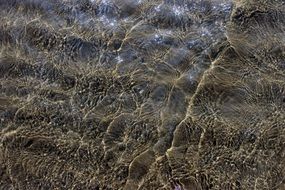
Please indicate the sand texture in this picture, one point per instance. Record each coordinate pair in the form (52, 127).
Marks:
(142, 94)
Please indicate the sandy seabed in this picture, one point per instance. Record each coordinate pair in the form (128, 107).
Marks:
(142, 94)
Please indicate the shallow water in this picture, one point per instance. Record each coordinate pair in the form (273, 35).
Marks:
(140, 94)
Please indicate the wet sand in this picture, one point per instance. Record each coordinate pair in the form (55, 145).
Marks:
(141, 94)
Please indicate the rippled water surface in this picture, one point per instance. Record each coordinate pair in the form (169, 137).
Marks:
(142, 94)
